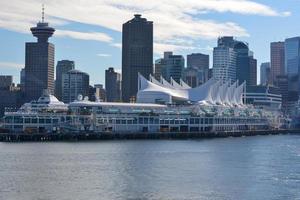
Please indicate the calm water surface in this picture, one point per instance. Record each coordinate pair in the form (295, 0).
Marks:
(261, 167)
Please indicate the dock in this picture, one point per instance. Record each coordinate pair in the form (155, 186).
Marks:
(23, 137)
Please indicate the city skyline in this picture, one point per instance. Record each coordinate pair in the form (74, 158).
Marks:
(93, 41)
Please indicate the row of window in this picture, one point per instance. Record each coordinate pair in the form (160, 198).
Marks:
(151, 120)
(21, 120)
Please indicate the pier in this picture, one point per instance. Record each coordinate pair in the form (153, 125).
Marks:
(23, 137)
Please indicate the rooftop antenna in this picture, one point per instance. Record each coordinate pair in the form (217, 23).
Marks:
(43, 13)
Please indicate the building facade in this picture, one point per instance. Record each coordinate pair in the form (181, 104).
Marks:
(265, 73)
(113, 85)
(172, 66)
(282, 83)
(137, 54)
(22, 79)
(277, 60)
(246, 66)
(39, 62)
(159, 63)
(62, 67)
(198, 60)
(292, 56)
(100, 92)
(194, 76)
(267, 97)
(224, 64)
(75, 83)
(6, 82)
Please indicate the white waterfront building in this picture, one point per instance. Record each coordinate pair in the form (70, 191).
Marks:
(161, 107)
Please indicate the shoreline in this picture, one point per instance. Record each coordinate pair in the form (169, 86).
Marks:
(22, 137)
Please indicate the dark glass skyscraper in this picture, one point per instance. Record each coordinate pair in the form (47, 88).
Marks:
(112, 85)
(62, 67)
(39, 62)
(172, 66)
(246, 66)
(198, 60)
(137, 54)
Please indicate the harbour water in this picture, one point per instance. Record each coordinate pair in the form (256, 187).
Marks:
(249, 168)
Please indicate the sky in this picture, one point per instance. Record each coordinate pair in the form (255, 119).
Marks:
(90, 31)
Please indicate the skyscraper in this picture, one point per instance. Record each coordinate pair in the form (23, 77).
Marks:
(282, 83)
(75, 83)
(234, 61)
(194, 76)
(246, 66)
(6, 82)
(197, 64)
(112, 85)
(277, 60)
(137, 54)
(198, 60)
(292, 56)
(62, 67)
(172, 66)
(39, 62)
(224, 60)
(159, 63)
(265, 73)
(22, 79)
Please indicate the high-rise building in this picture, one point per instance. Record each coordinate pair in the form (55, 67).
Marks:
(75, 83)
(100, 92)
(292, 56)
(194, 76)
(282, 83)
(39, 62)
(22, 79)
(137, 54)
(112, 85)
(265, 73)
(157, 68)
(234, 61)
(224, 60)
(198, 60)
(62, 67)
(246, 65)
(277, 60)
(172, 66)
(9, 94)
(6, 82)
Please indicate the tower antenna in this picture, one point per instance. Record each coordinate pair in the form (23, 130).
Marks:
(43, 13)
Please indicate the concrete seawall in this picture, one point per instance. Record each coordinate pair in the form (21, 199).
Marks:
(8, 137)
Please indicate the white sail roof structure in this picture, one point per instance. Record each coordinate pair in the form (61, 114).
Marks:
(215, 91)
(202, 93)
(210, 93)
(230, 94)
(153, 80)
(166, 83)
(184, 85)
(176, 85)
(238, 95)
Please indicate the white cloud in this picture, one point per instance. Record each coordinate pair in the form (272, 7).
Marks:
(103, 55)
(6, 65)
(117, 45)
(178, 23)
(97, 36)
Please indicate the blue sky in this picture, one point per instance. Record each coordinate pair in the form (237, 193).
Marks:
(89, 32)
